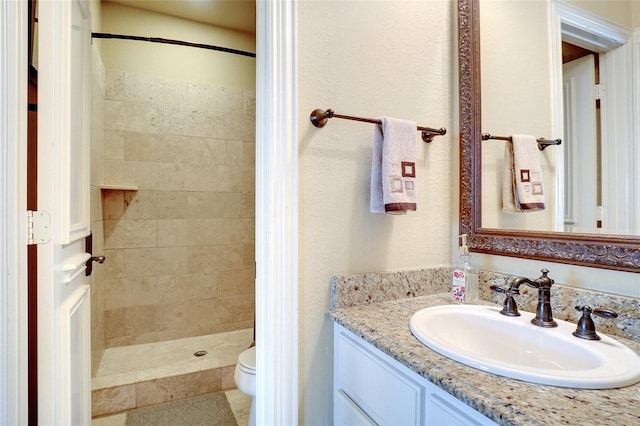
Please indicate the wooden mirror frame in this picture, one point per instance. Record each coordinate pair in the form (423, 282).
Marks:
(608, 251)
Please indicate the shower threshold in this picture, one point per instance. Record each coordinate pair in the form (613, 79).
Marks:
(136, 376)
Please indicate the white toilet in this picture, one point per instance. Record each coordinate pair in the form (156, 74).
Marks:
(245, 377)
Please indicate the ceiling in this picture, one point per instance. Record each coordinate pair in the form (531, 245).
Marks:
(238, 15)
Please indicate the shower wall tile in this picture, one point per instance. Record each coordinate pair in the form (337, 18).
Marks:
(181, 248)
(208, 98)
(140, 146)
(113, 144)
(140, 320)
(203, 232)
(237, 283)
(114, 323)
(249, 103)
(249, 154)
(114, 85)
(200, 177)
(114, 266)
(128, 233)
(236, 231)
(177, 288)
(127, 292)
(155, 90)
(173, 232)
(113, 400)
(142, 174)
(235, 178)
(215, 258)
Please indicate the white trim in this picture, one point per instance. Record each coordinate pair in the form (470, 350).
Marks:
(13, 252)
(276, 214)
(557, 113)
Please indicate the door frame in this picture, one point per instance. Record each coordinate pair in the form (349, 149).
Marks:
(13, 190)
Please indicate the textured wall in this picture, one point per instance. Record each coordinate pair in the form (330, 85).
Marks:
(371, 59)
(180, 249)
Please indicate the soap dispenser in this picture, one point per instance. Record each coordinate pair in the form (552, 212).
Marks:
(464, 276)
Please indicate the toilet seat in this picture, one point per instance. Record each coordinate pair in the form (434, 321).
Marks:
(247, 361)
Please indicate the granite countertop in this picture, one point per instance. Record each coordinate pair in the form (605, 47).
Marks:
(506, 401)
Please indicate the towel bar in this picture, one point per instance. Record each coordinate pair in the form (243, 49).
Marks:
(319, 118)
(542, 143)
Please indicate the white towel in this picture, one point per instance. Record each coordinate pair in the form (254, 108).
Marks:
(522, 189)
(393, 168)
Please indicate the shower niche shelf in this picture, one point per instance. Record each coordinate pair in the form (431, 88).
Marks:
(118, 188)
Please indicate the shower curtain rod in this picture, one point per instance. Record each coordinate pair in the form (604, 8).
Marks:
(542, 143)
(175, 42)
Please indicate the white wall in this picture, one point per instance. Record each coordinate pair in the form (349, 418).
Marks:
(370, 59)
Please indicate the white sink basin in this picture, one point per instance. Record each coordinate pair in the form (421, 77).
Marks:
(480, 337)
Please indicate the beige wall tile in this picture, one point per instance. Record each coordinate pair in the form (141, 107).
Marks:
(203, 232)
(114, 144)
(173, 232)
(113, 400)
(142, 174)
(236, 283)
(249, 154)
(226, 377)
(114, 84)
(172, 204)
(235, 308)
(235, 231)
(126, 292)
(155, 147)
(114, 264)
(205, 97)
(114, 115)
(176, 288)
(140, 117)
(155, 261)
(155, 90)
(140, 204)
(249, 103)
(215, 258)
(140, 320)
(188, 314)
(235, 179)
(177, 387)
(172, 176)
(130, 233)
(200, 177)
(114, 323)
(137, 339)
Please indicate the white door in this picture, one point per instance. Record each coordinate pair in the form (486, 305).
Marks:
(64, 370)
(581, 177)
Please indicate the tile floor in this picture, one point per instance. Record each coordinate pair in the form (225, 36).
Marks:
(139, 366)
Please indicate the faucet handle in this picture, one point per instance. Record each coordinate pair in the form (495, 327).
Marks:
(510, 307)
(586, 328)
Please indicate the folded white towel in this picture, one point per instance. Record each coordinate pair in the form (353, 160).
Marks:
(522, 189)
(393, 168)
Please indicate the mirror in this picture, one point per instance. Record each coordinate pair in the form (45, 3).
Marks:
(545, 86)
(612, 251)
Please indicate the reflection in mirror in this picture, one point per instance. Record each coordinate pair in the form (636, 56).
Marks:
(549, 238)
(540, 65)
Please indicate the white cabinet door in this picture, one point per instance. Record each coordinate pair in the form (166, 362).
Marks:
(64, 371)
(372, 388)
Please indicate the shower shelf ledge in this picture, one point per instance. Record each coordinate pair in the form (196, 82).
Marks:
(118, 188)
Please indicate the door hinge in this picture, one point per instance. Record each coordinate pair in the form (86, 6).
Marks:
(38, 227)
(597, 91)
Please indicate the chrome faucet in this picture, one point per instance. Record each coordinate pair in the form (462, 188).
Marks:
(544, 316)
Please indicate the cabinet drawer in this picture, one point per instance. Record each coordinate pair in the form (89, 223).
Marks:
(384, 392)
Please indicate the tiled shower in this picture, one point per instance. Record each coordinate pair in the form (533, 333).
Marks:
(181, 246)
(172, 211)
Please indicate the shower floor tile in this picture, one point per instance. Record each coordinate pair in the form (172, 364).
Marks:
(134, 376)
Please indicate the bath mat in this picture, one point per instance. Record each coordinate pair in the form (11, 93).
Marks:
(208, 409)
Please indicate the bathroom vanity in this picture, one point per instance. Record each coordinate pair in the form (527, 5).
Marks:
(384, 375)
